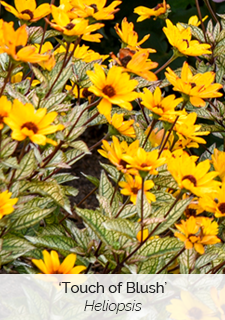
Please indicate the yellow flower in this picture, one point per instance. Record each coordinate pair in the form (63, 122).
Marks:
(218, 160)
(163, 108)
(132, 185)
(51, 264)
(123, 127)
(192, 177)
(73, 28)
(144, 161)
(155, 137)
(129, 37)
(5, 108)
(214, 202)
(186, 129)
(27, 10)
(18, 77)
(115, 88)
(94, 8)
(196, 88)
(181, 41)
(197, 232)
(193, 20)
(146, 13)
(115, 151)
(14, 44)
(189, 308)
(139, 64)
(25, 122)
(218, 297)
(6, 204)
(47, 48)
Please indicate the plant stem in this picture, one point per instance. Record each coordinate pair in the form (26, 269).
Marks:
(211, 11)
(116, 188)
(200, 17)
(166, 64)
(125, 203)
(154, 121)
(173, 259)
(143, 111)
(142, 208)
(10, 69)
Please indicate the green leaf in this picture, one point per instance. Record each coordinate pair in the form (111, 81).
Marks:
(93, 180)
(65, 74)
(197, 33)
(128, 211)
(8, 146)
(150, 266)
(123, 226)
(166, 182)
(113, 172)
(187, 260)
(13, 247)
(80, 235)
(141, 136)
(95, 221)
(53, 101)
(146, 205)
(26, 166)
(64, 177)
(39, 75)
(107, 190)
(55, 242)
(173, 216)
(29, 219)
(159, 247)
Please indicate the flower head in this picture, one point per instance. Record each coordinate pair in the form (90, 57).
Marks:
(47, 48)
(196, 232)
(132, 185)
(27, 10)
(163, 108)
(214, 202)
(94, 9)
(6, 204)
(195, 88)
(146, 13)
(14, 43)
(191, 176)
(180, 39)
(218, 160)
(5, 108)
(123, 127)
(115, 151)
(115, 88)
(51, 264)
(25, 122)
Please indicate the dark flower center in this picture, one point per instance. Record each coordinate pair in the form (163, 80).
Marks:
(190, 178)
(160, 5)
(94, 7)
(70, 26)
(30, 126)
(29, 13)
(143, 165)
(86, 93)
(18, 48)
(1, 118)
(222, 207)
(124, 61)
(135, 190)
(195, 313)
(193, 84)
(109, 91)
(123, 163)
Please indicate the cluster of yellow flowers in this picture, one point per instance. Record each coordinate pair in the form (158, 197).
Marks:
(171, 127)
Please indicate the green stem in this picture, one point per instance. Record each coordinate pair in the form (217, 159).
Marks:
(167, 63)
(200, 18)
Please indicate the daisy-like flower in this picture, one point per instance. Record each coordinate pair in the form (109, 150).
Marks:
(25, 122)
(191, 176)
(5, 108)
(132, 185)
(214, 202)
(115, 150)
(120, 126)
(47, 48)
(137, 63)
(115, 88)
(27, 10)
(181, 41)
(51, 264)
(144, 161)
(162, 108)
(188, 307)
(195, 88)
(187, 130)
(14, 43)
(218, 161)
(94, 9)
(6, 204)
(73, 28)
(196, 233)
(145, 13)
(129, 37)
